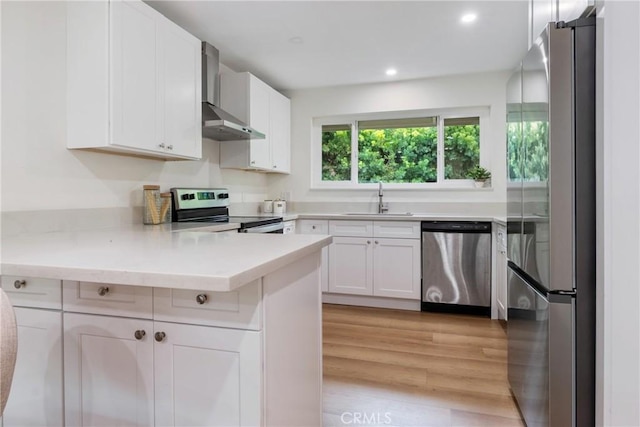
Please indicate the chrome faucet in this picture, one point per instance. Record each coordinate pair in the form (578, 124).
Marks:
(382, 207)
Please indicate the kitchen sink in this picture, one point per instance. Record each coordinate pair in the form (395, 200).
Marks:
(380, 214)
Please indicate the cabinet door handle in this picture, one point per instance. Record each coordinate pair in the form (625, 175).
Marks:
(275, 167)
(139, 334)
(161, 145)
(19, 284)
(253, 162)
(103, 290)
(368, 242)
(160, 336)
(376, 242)
(201, 298)
(169, 147)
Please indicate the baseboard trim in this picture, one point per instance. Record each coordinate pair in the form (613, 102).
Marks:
(367, 301)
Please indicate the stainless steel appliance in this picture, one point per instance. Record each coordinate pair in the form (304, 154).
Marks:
(456, 266)
(217, 124)
(212, 205)
(551, 231)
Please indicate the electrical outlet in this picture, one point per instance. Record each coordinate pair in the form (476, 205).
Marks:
(286, 195)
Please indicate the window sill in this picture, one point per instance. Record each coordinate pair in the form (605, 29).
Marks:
(400, 187)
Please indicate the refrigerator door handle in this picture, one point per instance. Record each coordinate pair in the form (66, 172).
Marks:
(561, 360)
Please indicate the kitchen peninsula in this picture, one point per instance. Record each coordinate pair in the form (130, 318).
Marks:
(145, 326)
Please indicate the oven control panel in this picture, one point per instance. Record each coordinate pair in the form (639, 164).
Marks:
(197, 198)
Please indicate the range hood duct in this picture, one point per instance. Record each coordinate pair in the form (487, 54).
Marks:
(217, 124)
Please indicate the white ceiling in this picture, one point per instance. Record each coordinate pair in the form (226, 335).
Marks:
(352, 42)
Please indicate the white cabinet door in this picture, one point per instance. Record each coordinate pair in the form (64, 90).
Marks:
(542, 12)
(133, 81)
(396, 268)
(350, 268)
(280, 131)
(207, 376)
(134, 54)
(569, 10)
(108, 372)
(179, 91)
(260, 151)
(264, 109)
(36, 391)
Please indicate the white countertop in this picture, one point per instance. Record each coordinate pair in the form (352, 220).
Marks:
(395, 217)
(154, 256)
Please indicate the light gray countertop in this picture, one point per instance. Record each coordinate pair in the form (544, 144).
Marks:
(153, 256)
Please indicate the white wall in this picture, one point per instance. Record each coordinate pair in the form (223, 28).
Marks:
(38, 172)
(618, 370)
(448, 92)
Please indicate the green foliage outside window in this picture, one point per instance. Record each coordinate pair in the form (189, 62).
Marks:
(397, 155)
(461, 149)
(336, 153)
(398, 151)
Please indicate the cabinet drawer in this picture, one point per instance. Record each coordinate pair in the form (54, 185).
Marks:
(33, 292)
(310, 226)
(397, 229)
(107, 299)
(351, 228)
(241, 308)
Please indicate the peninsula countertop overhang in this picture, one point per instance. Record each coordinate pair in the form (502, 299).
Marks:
(148, 256)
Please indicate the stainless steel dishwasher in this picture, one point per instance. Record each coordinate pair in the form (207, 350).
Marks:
(456, 267)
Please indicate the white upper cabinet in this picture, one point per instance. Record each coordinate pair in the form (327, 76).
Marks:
(569, 10)
(544, 11)
(280, 132)
(133, 81)
(264, 109)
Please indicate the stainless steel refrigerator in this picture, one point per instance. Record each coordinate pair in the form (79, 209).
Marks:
(551, 231)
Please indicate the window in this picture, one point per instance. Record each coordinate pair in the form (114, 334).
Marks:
(336, 153)
(418, 149)
(461, 146)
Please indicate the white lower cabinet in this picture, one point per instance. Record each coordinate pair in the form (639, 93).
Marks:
(351, 268)
(247, 357)
(35, 398)
(374, 265)
(207, 376)
(108, 371)
(396, 268)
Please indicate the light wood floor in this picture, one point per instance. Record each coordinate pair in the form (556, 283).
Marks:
(403, 368)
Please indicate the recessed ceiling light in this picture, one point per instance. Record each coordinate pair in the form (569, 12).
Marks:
(296, 40)
(391, 72)
(469, 17)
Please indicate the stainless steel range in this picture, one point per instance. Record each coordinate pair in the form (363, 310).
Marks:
(211, 205)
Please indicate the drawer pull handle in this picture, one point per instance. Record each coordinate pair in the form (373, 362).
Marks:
(160, 336)
(139, 334)
(103, 290)
(19, 284)
(368, 242)
(201, 298)
(376, 242)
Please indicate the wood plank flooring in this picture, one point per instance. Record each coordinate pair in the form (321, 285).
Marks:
(403, 368)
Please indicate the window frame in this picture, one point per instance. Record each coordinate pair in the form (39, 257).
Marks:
(483, 113)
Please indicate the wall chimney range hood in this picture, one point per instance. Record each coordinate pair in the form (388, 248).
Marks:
(217, 124)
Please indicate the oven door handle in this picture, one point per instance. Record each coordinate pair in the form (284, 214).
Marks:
(269, 228)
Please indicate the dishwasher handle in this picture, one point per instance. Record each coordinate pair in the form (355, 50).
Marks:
(456, 226)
